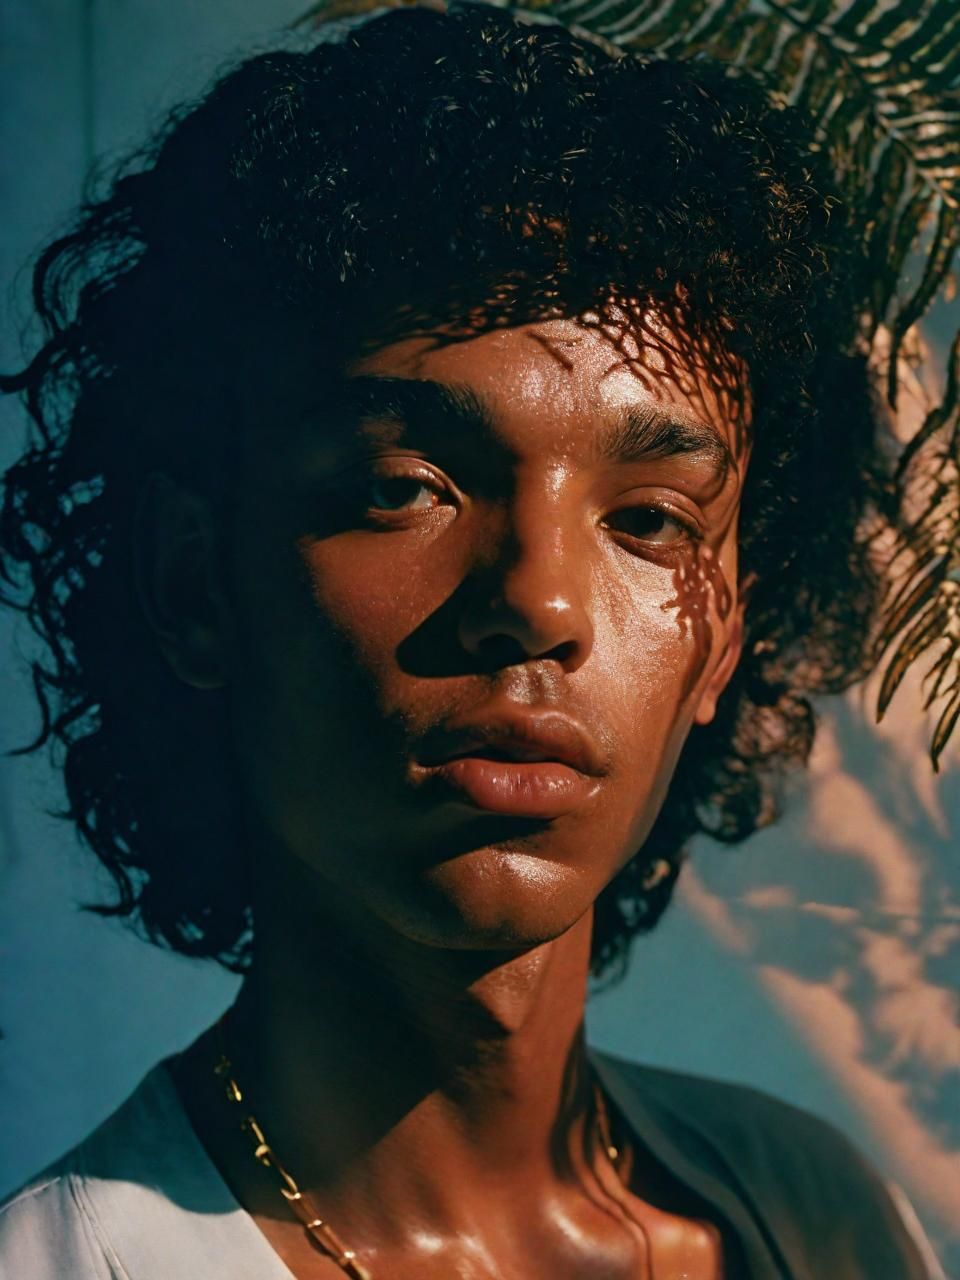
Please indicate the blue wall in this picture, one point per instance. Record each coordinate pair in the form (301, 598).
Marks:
(776, 967)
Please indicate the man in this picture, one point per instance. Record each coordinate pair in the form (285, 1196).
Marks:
(456, 466)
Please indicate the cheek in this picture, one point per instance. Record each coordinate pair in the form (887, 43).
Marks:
(702, 604)
(661, 634)
(644, 663)
(322, 697)
(367, 596)
(660, 628)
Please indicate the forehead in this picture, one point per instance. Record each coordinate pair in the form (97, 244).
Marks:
(553, 379)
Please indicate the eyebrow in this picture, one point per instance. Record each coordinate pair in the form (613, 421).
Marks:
(430, 404)
(637, 433)
(644, 432)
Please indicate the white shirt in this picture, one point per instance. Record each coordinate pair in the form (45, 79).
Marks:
(140, 1199)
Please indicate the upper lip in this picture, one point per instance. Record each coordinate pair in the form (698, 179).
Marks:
(521, 735)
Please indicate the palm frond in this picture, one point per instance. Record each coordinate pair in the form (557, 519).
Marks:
(880, 79)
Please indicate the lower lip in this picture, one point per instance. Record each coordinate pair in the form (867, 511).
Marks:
(527, 789)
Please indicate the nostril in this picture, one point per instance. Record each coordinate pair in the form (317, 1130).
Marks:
(497, 651)
(500, 651)
(523, 619)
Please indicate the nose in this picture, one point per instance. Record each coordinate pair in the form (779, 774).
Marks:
(527, 599)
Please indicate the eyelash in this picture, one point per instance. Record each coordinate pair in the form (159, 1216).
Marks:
(423, 480)
(687, 528)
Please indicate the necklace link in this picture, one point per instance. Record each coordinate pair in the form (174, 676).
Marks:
(320, 1231)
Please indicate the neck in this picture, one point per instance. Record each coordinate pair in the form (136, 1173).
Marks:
(359, 1050)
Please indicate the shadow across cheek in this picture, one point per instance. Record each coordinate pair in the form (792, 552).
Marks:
(701, 591)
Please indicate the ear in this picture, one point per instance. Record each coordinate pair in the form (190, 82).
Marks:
(179, 580)
(730, 656)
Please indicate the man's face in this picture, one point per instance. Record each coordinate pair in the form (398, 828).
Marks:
(480, 596)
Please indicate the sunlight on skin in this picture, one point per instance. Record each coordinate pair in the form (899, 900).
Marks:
(454, 532)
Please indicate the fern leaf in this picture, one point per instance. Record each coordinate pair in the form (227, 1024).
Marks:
(935, 680)
(927, 628)
(945, 727)
(912, 599)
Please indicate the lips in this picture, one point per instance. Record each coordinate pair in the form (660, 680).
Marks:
(525, 763)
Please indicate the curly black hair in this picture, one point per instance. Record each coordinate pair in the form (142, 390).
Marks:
(431, 164)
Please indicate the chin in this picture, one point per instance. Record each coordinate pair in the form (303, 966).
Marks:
(489, 900)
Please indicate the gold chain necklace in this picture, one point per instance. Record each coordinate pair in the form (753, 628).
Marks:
(318, 1230)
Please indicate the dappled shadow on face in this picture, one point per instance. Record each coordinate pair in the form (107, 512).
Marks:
(701, 589)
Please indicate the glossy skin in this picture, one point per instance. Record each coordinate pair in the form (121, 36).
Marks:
(387, 577)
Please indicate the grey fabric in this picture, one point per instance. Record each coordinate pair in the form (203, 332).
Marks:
(141, 1200)
(799, 1197)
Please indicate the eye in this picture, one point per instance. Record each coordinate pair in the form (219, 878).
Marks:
(400, 493)
(651, 525)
